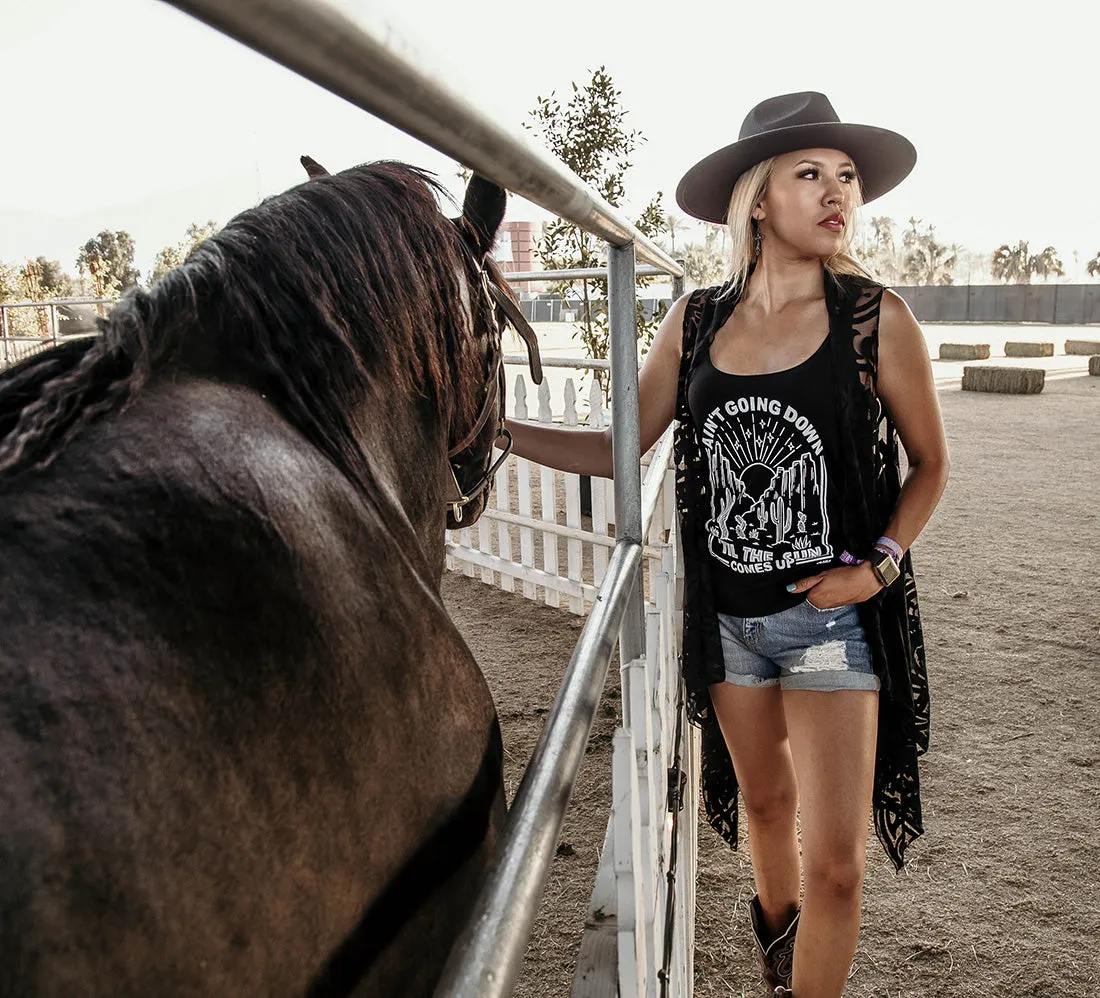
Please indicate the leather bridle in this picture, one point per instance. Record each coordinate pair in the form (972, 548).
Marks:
(490, 295)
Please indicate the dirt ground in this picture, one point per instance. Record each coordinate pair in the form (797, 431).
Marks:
(1000, 897)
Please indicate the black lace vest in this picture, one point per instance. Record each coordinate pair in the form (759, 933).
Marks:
(870, 484)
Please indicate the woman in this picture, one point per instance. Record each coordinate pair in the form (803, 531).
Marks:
(791, 385)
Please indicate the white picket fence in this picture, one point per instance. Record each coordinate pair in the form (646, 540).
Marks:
(534, 542)
(652, 834)
(533, 539)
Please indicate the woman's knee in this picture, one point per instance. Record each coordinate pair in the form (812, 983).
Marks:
(773, 802)
(837, 872)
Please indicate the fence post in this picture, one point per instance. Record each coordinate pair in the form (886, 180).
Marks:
(622, 316)
(678, 284)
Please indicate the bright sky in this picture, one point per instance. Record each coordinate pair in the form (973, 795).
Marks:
(128, 114)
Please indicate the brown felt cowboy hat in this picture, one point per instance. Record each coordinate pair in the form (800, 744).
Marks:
(783, 124)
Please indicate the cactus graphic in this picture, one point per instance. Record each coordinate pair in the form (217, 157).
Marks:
(762, 514)
(781, 518)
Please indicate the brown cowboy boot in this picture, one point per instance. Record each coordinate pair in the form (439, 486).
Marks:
(776, 958)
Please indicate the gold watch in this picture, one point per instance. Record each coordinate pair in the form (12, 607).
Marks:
(885, 568)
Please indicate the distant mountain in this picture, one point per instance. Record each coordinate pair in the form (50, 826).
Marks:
(154, 222)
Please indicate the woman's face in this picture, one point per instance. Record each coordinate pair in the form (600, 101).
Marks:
(808, 204)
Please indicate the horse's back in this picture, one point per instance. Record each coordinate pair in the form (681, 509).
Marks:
(220, 669)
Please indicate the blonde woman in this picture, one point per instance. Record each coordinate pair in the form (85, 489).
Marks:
(792, 386)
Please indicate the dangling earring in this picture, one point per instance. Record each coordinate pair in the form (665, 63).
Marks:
(757, 239)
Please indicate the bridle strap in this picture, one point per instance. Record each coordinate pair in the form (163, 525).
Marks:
(494, 391)
(479, 425)
(521, 326)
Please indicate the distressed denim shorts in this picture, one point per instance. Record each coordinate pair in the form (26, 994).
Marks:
(802, 648)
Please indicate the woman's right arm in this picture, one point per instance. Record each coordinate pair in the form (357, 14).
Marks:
(588, 452)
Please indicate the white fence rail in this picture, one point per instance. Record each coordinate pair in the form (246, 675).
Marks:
(540, 538)
(640, 928)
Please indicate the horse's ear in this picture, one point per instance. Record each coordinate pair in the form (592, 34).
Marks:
(313, 168)
(483, 211)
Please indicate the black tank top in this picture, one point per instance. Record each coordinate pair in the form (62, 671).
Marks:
(772, 448)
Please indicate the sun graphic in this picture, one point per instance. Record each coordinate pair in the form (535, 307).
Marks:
(767, 442)
(757, 477)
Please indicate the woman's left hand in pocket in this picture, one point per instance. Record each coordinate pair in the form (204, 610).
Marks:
(838, 586)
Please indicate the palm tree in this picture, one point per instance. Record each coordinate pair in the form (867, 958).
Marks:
(930, 263)
(1093, 266)
(1019, 265)
(674, 222)
(1046, 264)
(715, 232)
(1009, 263)
(926, 259)
(878, 251)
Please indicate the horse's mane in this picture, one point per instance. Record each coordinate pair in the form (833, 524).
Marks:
(309, 297)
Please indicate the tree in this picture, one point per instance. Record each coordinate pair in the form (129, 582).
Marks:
(878, 251)
(109, 259)
(673, 223)
(1093, 266)
(1047, 264)
(1009, 264)
(9, 282)
(26, 282)
(1017, 264)
(54, 280)
(704, 267)
(589, 135)
(926, 260)
(706, 264)
(97, 280)
(715, 234)
(172, 256)
(36, 290)
(919, 259)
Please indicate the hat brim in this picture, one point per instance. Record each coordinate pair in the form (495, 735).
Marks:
(882, 158)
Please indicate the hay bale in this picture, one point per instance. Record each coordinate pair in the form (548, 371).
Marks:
(1029, 349)
(1082, 348)
(1005, 380)
(1094, 365)
(964, 351)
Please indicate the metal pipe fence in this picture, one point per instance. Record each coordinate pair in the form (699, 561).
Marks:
(28, 327)
(487, 957)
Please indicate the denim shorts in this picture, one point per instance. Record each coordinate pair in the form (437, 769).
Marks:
(802, 648)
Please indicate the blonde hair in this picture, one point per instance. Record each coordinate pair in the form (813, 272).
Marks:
(748, 192)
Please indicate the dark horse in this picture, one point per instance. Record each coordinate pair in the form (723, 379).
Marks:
(243, 748)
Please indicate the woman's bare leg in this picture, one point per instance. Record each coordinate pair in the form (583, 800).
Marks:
(752, 722)
(832, 742)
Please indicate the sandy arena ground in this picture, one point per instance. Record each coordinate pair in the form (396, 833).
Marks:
(1000, 897)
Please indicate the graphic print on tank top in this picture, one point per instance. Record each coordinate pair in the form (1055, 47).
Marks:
(769, 487)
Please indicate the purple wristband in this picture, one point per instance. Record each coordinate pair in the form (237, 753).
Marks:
(893, 547)
(850, 559)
